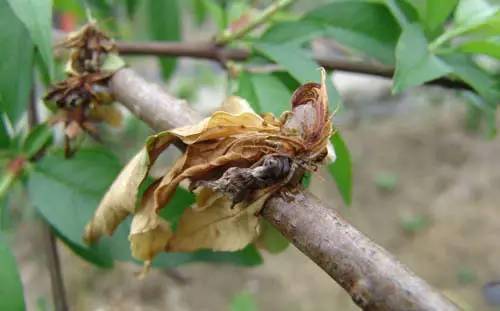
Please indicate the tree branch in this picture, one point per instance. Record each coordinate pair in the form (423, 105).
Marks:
(207, 50)
(373, 278)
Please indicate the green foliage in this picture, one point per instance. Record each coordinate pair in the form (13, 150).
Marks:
(164, 24)
(4, 135)
(386, 180)
(414, 224)
(299, 65)
(67, 191)
(264, 92)
(341, 169)
(37, 138)
(181, 200)
(466, 275)
(16, 61)
(243, 302)
(131, 6)
(480, 112)
(216, 12)
(364, 26)
(11, 290)
(272, 240)
(489, 46)
(433, 14)
(467, 70)
(415, 65)
(36, 16)
(249, 257)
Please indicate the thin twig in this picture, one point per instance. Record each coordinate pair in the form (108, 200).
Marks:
(53, 262)
(228, 36)
(374, 279)
(211, 51)
(206, 50)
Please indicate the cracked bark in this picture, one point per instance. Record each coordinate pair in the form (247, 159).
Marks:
(373, 278)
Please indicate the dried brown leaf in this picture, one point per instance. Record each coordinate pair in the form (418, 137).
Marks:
(219, 226)
(149, 233)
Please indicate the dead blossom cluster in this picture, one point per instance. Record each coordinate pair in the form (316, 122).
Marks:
(233, 161)
(83, 98)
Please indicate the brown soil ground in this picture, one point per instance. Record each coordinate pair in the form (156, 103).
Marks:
(447, 187)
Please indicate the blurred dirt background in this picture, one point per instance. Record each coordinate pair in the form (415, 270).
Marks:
(424, 188)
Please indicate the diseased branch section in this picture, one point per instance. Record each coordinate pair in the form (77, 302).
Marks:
(373, 278)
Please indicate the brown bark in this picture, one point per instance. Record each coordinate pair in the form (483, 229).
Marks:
(150, 103)
(374, 279)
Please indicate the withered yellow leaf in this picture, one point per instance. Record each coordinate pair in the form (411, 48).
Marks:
(235, 138)
(219, 227)
(149, 233)
(120, 199)
(223, 124)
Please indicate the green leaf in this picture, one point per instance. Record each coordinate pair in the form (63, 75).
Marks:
(486, 112)
(16, 61)
(434, 13)
(90, 254)
(341, 169)
(465, 69)
(181, 200)
(265, 93)
(131, 6)
(4, 134)
(248, 257)
(306, 180)
(272, 240)
(165, 24)
(72, 6)
(66, 192)
(37, 138)
(437, 12)
(402, 11)
(11, 289)
(364, 26)
(471, 13)
(199, 11)
(472, 16)
(37, 17)
(487, 46)
(247, 90)
(386, 180)
(293, 32)
(217, 13)
(243, 302)
(414, 63)
(299, 65)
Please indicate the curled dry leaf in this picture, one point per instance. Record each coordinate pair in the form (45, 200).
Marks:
(83, 99)
(234, 160)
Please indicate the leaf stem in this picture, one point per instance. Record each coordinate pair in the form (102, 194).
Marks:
(5, 182)
(228, 36)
